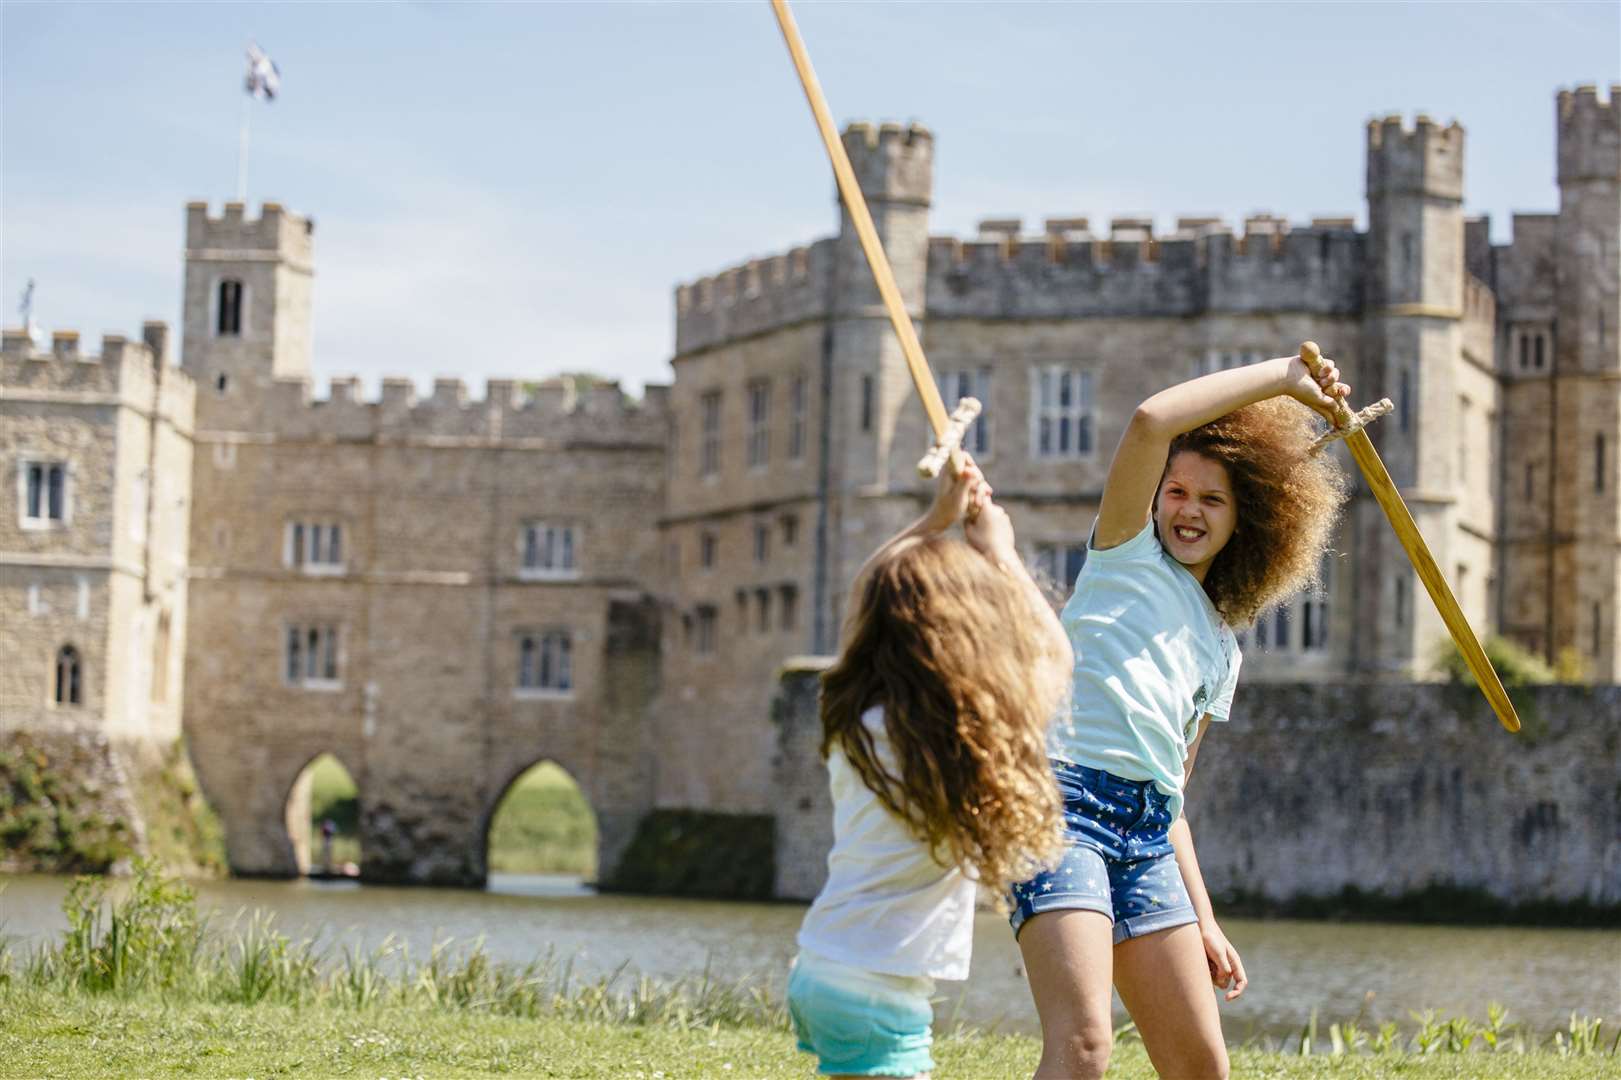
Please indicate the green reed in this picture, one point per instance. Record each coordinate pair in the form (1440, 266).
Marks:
(151, 940)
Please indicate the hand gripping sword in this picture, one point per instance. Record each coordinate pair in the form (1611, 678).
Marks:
(1412, 541)
(948, 430)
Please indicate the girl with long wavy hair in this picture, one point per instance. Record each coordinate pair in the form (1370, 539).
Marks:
(1214, 510)
(934, 726)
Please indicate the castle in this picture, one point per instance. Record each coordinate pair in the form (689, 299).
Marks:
(444, 591)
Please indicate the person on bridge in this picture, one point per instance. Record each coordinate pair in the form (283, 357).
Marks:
(1214, 510)
(934, 721)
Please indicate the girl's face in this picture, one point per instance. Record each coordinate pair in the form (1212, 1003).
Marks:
(1195, 511)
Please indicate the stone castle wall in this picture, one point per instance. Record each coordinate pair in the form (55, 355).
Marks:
(1316, 788)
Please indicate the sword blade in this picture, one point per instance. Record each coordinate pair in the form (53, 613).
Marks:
(856, 204)
(1418, 553)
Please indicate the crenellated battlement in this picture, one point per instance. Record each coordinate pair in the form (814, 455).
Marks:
(1426, 159)
(556, 410)
(275, 231)
(1202, 265)
(760, 295)
(1589, 134)
(123, 369)
(892, 162)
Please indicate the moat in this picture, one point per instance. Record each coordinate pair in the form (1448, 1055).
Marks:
(1541, 975)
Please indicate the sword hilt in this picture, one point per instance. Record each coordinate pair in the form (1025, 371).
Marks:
(1312, 357)
(950, 440)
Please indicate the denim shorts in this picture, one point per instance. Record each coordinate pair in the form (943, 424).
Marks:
(860, 1023)
(1117, 860)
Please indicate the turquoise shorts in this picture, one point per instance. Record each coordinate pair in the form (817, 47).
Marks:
(860, 1023)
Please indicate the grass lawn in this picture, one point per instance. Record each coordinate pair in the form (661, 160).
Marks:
(542, 826)
(78, 1035)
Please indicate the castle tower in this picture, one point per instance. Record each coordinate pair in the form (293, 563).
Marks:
(246, 309)
(875, 423)
(1585, 515)
(1411, 337)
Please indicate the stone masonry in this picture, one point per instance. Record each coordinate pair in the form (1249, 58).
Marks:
(399, 581)
(93, 589)
(1420, 307)
(1316, 788)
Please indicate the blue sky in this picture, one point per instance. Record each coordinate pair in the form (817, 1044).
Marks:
(515, 189)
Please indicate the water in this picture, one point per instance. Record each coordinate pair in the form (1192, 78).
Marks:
(1541, 975)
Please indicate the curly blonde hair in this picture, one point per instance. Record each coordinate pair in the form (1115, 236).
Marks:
(1288, 500)
(947, 644)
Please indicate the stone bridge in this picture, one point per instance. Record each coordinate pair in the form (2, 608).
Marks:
(432, 766)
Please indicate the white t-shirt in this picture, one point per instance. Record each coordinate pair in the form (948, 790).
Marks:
(888, 906)
(1152, 657)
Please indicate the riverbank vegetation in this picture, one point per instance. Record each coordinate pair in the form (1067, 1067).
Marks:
(68, 800)
(140, 985)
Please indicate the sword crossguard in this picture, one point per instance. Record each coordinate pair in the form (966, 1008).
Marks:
(949, 440)
(1359, 420)
(1346, 422)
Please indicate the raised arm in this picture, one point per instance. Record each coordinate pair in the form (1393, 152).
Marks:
(1139, 460)
(952, 495)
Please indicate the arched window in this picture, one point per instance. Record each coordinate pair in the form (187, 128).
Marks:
(228, 320)
(68, 679)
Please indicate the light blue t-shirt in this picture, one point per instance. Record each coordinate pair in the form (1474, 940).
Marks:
(1152, 656)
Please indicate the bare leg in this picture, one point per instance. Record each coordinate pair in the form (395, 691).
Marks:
(1165, 983)
(1067, 955)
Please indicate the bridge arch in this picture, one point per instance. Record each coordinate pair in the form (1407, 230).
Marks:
(322, 786)
(541, 820)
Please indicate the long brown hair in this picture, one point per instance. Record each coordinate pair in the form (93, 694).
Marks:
(948, 644)
(1288, 500)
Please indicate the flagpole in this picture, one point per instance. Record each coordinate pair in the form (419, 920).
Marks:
(242, 151)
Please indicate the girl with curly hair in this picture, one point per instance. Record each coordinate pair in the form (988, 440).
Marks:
(1213, 511)
(934, 726)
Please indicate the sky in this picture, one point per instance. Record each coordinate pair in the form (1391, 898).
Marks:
(515, 190)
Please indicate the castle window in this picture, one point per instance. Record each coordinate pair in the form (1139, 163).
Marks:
(762, 603)
(1598, 462)
(546, 662)
(1404, 399)
(1060, 562)
(546, 550)
(759, 444)
(790, 530)
(1525, 351)
(1401, 601)
(314, 547)
(706, 628)
(221, 381)
(796, 418)
(1598, 628)
(789, 603)
(43, 494)
(866, 402)
(69, 688)
(762, 543)
(742, 598)
(1314, 612)
(311, 656)
(228, 314)
(956, 385)
(1541, 344)
(708, 543)
(1061, 413)
(709, 445)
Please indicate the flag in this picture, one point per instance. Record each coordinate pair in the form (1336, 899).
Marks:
(264, 77)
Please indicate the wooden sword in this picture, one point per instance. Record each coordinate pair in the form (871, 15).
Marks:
(948, 430)
(1412, 541)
